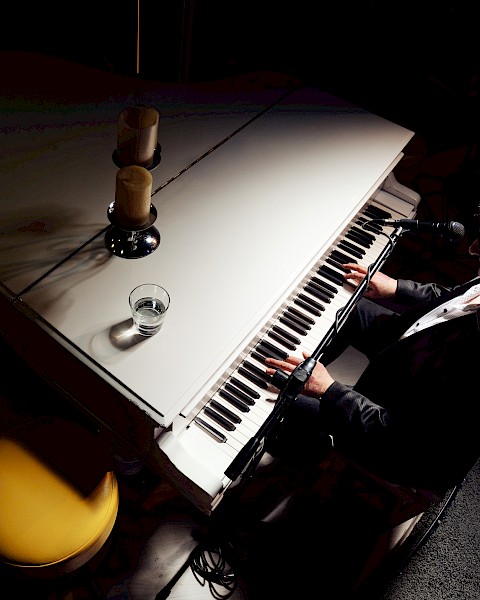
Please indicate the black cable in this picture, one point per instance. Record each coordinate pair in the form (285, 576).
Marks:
(208, 565)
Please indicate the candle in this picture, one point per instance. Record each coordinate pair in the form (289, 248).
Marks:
(137, 135)
(133, 192)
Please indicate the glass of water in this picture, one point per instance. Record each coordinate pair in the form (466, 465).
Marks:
(149, 303)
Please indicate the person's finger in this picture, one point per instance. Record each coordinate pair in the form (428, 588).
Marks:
(356, 267)
(288, 364)
(353, 278)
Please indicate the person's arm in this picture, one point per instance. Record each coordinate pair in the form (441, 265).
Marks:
(411, 292)
(343, 410)
(383, 287)
(350, 414)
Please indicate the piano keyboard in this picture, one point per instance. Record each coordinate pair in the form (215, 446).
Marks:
(244, 397)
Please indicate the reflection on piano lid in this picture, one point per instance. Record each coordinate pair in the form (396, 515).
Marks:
(199, 452)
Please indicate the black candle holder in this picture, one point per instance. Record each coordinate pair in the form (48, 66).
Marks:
(132, 242)
(157, 157)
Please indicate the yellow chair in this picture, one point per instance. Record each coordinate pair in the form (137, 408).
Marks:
(58, 499)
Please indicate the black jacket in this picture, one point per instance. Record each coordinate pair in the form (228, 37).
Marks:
(412, 417)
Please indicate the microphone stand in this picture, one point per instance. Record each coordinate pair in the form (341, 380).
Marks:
(291, 385)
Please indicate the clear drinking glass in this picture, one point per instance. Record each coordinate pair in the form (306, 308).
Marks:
(149, 303)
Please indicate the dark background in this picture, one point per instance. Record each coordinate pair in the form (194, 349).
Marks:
(416, 63)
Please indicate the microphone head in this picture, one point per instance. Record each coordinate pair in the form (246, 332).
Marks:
(456, 230)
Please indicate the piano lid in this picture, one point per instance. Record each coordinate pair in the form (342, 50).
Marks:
(238, 230)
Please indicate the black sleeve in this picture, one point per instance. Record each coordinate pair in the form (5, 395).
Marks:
(411, 292)
(345, 411)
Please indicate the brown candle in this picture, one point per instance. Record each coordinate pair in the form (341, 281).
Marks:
(137, 135)
(133, 192)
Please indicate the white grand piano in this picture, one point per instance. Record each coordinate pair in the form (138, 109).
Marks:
(262, 190)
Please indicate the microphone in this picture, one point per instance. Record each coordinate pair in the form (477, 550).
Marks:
(452, 229)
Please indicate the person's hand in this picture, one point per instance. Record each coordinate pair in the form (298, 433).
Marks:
(317, 383)
(380, 285)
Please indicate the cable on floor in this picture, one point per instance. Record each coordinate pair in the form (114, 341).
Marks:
(208, 565)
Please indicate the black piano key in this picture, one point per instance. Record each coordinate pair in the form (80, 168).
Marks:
(264, 347)
(352, 247)
(331, 289)
(225, 411)
(292, 311)
(337, 265)
(244, 387)
(374, 227)
(235, 401)
(289, 315)
(245, 399)
(261, 383)
(351, 258)
(281, 340)
(258, 357)
(366, 225)
(217, 417)
(308, 307)
(358, 239)
(293, 338)
(255, 370)
(354, 251)
(316, 291)
(211, 430)
(340, 257)
(311, 302)
(292, 325)
(363, 233)
(375, 212)
(265, 352)
(330, 274)
(248, 399)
